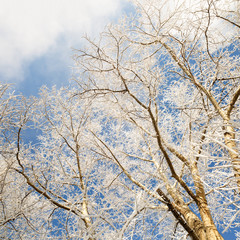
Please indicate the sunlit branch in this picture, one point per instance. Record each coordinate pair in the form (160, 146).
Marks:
(233, 101)
(169, 162)
(177, 215)
(228, 20)
(127, 173)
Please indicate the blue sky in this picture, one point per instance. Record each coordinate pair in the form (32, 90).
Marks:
(37, 38)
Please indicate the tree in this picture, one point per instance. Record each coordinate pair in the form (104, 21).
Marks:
(146, 144)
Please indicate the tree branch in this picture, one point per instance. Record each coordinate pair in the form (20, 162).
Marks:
(233, 101)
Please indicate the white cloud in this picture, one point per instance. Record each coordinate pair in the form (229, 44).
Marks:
(29, 28)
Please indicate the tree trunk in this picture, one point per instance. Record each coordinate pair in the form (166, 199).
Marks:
(229, 138)
(209, 226)
(87, 219)
(205, 229)
(207, 221)
(192, 220)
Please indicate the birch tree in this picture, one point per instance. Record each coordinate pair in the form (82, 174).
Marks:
(173, 75)
(144, 144)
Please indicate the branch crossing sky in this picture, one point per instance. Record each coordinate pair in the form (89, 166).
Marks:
(37, 37)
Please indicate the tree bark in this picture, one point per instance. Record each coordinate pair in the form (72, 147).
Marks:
(208, 223)
(229, 138)
(86, 219)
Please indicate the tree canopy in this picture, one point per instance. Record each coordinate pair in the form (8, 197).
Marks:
(142, 144)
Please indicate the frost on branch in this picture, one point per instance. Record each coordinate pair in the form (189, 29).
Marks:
(144, 144)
